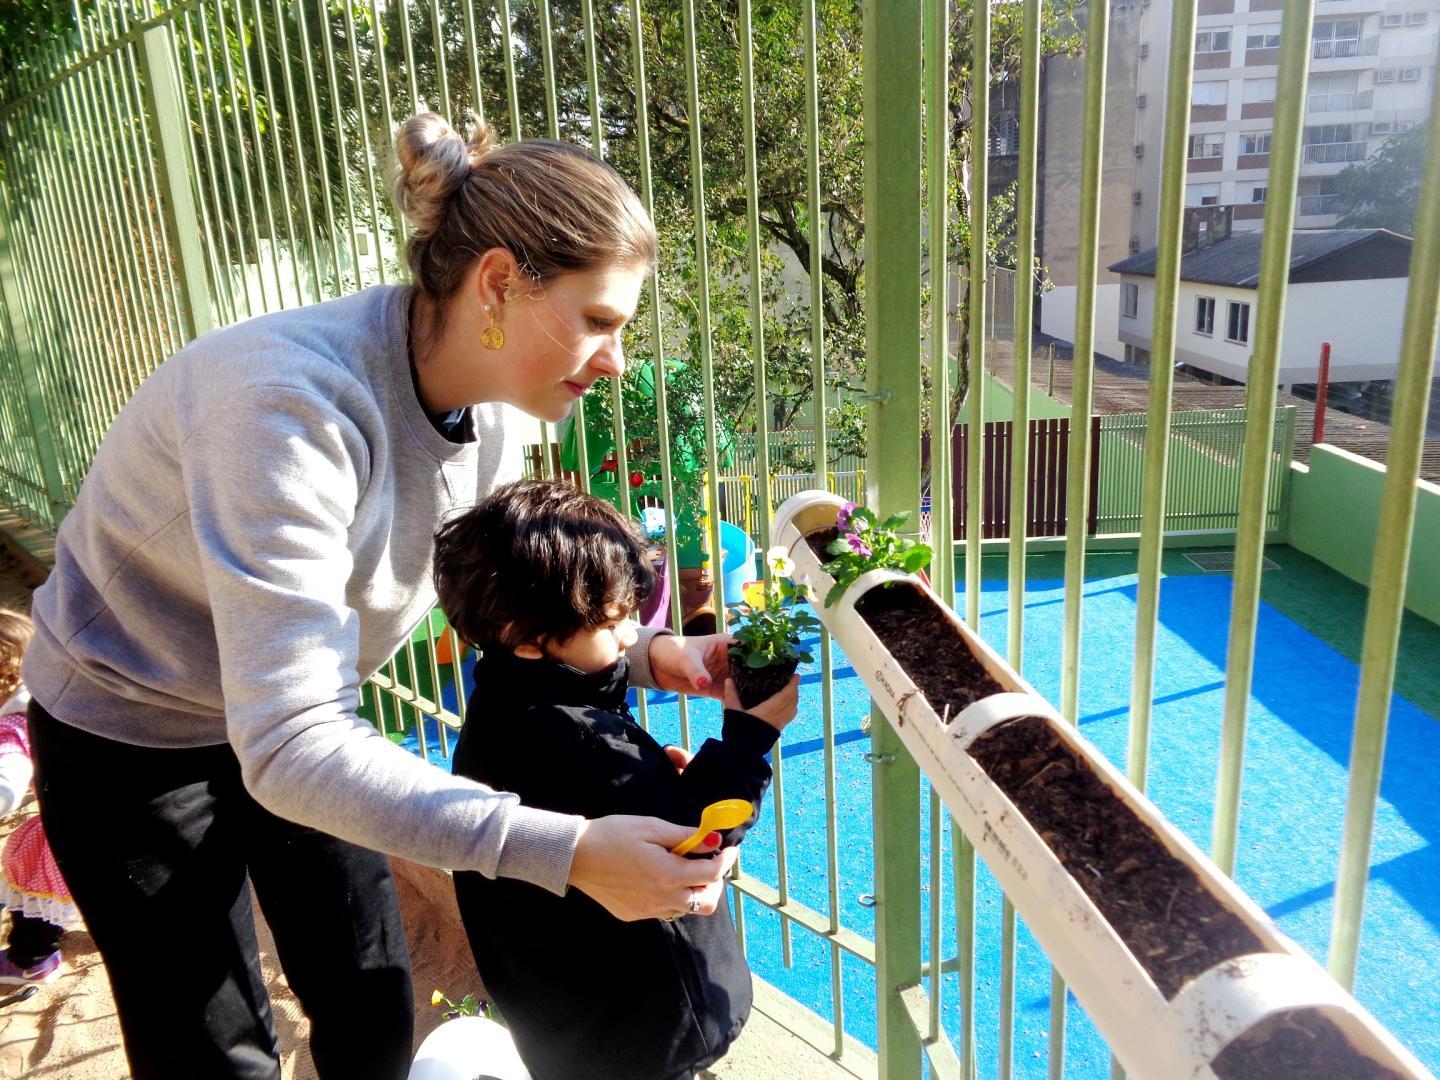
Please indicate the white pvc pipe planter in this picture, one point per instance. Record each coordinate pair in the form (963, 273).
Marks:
(1154, 1038)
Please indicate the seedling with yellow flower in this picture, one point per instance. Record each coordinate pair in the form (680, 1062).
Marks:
(767, 632)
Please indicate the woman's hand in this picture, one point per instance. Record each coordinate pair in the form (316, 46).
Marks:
(693, 665)
(624, 864)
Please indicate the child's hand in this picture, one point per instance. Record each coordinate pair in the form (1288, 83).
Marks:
(777, 710)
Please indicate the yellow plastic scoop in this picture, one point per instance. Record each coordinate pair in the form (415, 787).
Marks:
(717, 817)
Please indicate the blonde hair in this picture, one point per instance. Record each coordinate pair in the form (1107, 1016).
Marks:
(16, 630)
(555, 207)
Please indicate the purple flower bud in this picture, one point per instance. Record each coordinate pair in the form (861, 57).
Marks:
(859, 546)
(843, 520)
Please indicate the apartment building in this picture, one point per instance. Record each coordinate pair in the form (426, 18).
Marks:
(1372, 63)
(1371, 70)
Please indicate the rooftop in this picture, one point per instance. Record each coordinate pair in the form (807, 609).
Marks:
(1315, 255)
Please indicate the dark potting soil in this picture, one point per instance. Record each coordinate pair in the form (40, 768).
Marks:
(1301, 1044)
(1171, 923)
(754, 685)
(820, 540)
(926, 644)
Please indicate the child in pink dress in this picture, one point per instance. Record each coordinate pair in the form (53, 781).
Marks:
(30, 883)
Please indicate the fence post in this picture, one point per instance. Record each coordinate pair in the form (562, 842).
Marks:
(26, 360)
(165, 104)
(894, 79)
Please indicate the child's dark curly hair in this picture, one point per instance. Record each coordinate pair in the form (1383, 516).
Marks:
(16, 630)
(538, 560)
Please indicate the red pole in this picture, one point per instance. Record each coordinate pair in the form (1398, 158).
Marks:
(1321, 389)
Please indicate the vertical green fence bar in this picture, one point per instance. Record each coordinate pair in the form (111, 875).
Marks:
(942, 522)
(974, 374)
(291, 237)
(1260, 395)
(62, 234)
(329, 290)
(367, 150)
(702, 271)
(1388, 572)
(97, 100)
(1077, 480)
(257, 148)
(1020, 444)
(163, 98)
(512, 95)
(155, 266)
(27, 360)
(332, 83)
(1162, 380)
(893, 84)
(822, 433)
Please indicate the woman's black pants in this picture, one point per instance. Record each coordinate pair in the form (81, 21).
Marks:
(161, 848)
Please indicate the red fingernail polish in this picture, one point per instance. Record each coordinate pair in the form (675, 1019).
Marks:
(712, 839)
(703, 683)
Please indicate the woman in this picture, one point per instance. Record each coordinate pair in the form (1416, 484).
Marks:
(252, 542)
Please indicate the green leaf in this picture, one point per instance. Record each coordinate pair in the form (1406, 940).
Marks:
(915, 559)
(836, 591)
(757, 660)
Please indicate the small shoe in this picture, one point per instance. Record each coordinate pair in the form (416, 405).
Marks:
(42, 972)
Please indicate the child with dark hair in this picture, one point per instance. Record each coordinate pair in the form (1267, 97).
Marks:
(542, 578)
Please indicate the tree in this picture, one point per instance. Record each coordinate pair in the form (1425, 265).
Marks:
(1384, 192)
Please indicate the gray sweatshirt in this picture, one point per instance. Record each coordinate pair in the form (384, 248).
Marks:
(252, 541)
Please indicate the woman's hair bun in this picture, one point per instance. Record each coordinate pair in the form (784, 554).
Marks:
(432, 162)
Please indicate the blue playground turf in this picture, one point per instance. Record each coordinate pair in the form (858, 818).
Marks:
(1292, 810)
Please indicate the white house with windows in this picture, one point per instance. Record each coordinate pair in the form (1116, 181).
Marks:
(1347, 286)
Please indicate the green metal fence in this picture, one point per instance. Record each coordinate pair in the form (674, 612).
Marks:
(180, 165)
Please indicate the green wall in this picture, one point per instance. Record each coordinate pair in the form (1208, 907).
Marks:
(1335, 503)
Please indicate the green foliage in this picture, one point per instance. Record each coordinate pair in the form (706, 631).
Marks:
(768, 631)
(29, 28)
(1384, 192)
(866, 543)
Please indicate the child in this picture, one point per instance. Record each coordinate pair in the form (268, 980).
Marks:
(40, 906)
(541, 578)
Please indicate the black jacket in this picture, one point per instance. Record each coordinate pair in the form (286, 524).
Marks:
(586, 995)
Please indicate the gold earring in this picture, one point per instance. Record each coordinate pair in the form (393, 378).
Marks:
(492, 337)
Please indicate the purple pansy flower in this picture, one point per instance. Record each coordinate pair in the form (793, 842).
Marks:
(859, 546)
(843, 521)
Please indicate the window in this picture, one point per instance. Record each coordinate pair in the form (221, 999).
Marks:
(1209, 93)
(1318, 195)
(1258, 193)
(1395, 18)
(1327, 143)
(1386, 75)
(1212, 41)
(1237, 322)
(1208, 146)
(1202, 195)
(1266, 36)
(1339, 37)
(1129, 300)
(1380, 127)
(1409, 74)
(1205, 315)
(1254, 142)
(1333, 93)
(1258, 90)
(1416, 18)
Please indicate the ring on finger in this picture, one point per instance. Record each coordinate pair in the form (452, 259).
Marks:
(694, 906)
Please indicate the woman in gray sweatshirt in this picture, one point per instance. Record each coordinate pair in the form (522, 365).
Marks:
(251, 543)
